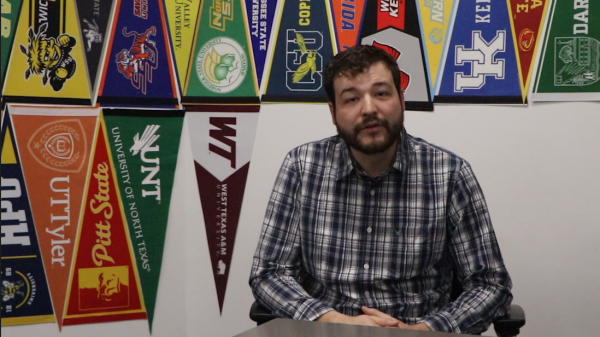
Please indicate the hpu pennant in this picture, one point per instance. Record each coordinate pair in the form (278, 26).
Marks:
(47, 64)
(25, 295)
(138, 68)
(55, 146)
(481, 64)
(10, 16)
(222, 147)
(144, 144)
(347, 19)
(260, 20)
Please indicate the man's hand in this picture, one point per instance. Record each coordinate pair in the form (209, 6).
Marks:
(376, 314)
(336, 317)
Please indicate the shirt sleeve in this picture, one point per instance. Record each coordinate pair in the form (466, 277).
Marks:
(478, 263)
(277, 262)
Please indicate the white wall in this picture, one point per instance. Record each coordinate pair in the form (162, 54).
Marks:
(539, 167)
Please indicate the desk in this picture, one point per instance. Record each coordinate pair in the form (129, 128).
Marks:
(292, 328)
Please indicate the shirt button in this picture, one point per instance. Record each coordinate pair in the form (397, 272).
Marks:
(369, 229)
(367, 293)
(366, 266)
(373, 192)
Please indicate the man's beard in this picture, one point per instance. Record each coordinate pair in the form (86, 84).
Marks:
(392, 133)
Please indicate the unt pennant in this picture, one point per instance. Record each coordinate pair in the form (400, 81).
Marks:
(48, 64)
(139, 68)
(260, 20)
(347, 19)
(94, 19)
(221, 70)
(144, 145)
(222, 148)
(481, 64)
(55, 146)
(25, 295)
(394, 27)
(569, 68)
(10, 16)
(103, 283)
(183, 16)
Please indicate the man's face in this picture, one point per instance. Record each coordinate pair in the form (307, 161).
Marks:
(368, 112)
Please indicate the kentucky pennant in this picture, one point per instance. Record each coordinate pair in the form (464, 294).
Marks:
(94, 19)
(104, 284)
(303, 44)
(394, 27)
(347, 18)
(139, 69)
(183, 16)
(10, 14)
(47, 64)
(222, 67)
(222, 148)
(481, 65)
(144, 145)
(260, 19)
(25, 295)
(570, 59)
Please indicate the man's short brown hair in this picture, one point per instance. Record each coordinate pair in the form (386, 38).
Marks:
(356, 60)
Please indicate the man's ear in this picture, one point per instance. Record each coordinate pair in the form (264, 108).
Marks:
(402, 102)
(332, 111)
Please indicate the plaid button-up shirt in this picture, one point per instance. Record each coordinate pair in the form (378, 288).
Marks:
(335, 238)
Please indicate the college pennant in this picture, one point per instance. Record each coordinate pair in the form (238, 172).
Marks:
(481, 64)
(139, 68)
(303, 45)
(569, 68)
(144, 145)
(222, 147)
(55, 146)
(394, 27)
(10, 15)
(221, 70)
(347, 19)
(260, 19)
(47, 64)
(103, 283)
(25, 295)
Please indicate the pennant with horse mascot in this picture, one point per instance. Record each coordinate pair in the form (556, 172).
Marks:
(25, 295)
(222, 147)
(394, 27)
(55, 146)
(144, 145)
(260, 19)
(304, 42)
(48, 64)
(104, 284)
(10, 15)
(139, 68)
(481, 64)
(347, 19)
(569, 68)
(222, 67)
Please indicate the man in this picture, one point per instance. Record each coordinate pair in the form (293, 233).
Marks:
(368, 227)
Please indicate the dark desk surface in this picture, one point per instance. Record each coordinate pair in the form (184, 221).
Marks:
(291, 328)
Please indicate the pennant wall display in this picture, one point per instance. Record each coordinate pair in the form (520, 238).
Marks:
(48, 28)
(222, 147)
(260, 20)
(222, 64)
(144, 145)
(55, 146)
(10, 16)
(481, 64)
(25, 295)
(104, 284)
(304, 43)
(569, 68)
(347, 19)
(183, 16)
(139, 69)
(394, 27)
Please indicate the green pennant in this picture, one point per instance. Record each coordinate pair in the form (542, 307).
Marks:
(144, 146)
(10, 15)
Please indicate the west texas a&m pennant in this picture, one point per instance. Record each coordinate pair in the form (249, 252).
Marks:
(347, 19)
(303, 45)
(10, 15)
(25, 295)
(569, 68)
(260, 19)
(47, 63)
(55, 146)
(139, 69)
(222, 148)
(394, 27)
(144, 145)
(481, 65)
(104, 284)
